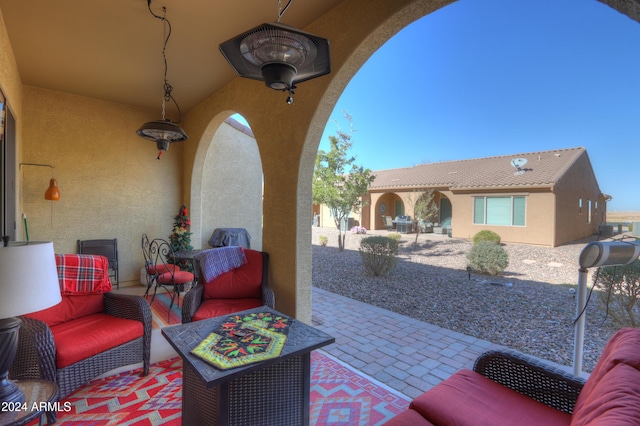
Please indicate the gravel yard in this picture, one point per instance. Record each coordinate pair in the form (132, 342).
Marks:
(530, 307)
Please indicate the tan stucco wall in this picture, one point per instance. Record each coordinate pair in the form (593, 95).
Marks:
(232, 193)
(111, 184)
(578, 183)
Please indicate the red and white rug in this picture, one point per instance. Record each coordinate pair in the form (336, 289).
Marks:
(162, 317)
(339, 396)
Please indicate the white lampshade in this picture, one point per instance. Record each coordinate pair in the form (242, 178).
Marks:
(28, 278)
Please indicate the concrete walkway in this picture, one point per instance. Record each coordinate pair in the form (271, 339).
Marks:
(408, 355)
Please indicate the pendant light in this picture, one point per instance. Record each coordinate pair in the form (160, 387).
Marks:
(164, 132)
(53, 192)
(278, 54)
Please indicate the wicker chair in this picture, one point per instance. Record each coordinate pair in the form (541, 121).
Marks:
(38, 354)
(218, 299)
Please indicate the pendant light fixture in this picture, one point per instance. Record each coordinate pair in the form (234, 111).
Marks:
(278, 54)
(164, 132)
(53, 192)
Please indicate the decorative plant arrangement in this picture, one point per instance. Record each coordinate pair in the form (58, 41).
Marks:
(180, 238)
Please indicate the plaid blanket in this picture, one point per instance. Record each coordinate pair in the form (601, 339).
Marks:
(83, 274)
(214, 262)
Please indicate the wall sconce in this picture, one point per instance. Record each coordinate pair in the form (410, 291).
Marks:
(53, 192)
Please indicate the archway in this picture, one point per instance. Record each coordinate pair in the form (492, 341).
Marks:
(288, 138)
(222, 195)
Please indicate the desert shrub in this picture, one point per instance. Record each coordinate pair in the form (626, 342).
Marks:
(394, 236)
(486, 235)
(324, 240)
(379, 255)
(488, 258)
(620, 293)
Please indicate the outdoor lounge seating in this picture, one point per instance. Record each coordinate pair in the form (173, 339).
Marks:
(388, 222)
(238, 288)
(90, 332)
(509, 388)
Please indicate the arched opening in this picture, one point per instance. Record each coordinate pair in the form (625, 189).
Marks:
(229, 185)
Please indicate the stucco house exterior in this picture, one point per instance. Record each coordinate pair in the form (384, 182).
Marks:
(545, 198)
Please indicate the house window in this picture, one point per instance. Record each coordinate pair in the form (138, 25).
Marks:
(580, 206)
(501, 211)
(589, 211)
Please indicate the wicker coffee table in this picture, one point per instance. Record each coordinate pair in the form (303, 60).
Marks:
(272, 392)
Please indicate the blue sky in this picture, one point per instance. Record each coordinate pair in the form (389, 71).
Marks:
(497, 77)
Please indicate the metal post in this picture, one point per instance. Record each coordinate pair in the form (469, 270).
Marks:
(581, 302)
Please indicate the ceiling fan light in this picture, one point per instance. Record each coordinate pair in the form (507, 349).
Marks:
(162, 131)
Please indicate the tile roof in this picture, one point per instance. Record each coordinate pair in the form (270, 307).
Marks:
(543, 169)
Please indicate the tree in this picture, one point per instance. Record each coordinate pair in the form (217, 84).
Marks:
(339, 183)
(425, 210)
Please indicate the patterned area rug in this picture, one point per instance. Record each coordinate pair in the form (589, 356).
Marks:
(160, 310)
(339, 396)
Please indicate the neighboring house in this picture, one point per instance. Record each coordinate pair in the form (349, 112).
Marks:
(550, 199)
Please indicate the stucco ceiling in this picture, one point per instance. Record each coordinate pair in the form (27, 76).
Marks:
(112, 49)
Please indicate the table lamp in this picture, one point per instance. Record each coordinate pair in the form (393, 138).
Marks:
(28, 283)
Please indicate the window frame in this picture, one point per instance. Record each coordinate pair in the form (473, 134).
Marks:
(481, 218)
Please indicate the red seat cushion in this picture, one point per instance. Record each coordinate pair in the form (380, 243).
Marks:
(408, 418)
(240, 283)
(71, 307)
(218, 307)
(178, 277)
(470, 399)
(90, 335)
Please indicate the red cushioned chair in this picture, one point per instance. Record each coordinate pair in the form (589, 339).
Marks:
(244, 287)
(152, 267)
(163, 273)
(90, 332)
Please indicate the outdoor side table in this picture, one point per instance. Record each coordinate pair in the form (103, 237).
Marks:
(271, 393)
(35, 391)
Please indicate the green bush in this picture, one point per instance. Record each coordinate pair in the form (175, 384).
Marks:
(394, 236)
(323, 240)
(488, 258)
(486, 235)
(620, 293)
(379, 255)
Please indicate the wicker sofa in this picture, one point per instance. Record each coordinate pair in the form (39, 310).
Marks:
(238, 289)
(509, 388)
(84, 336)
